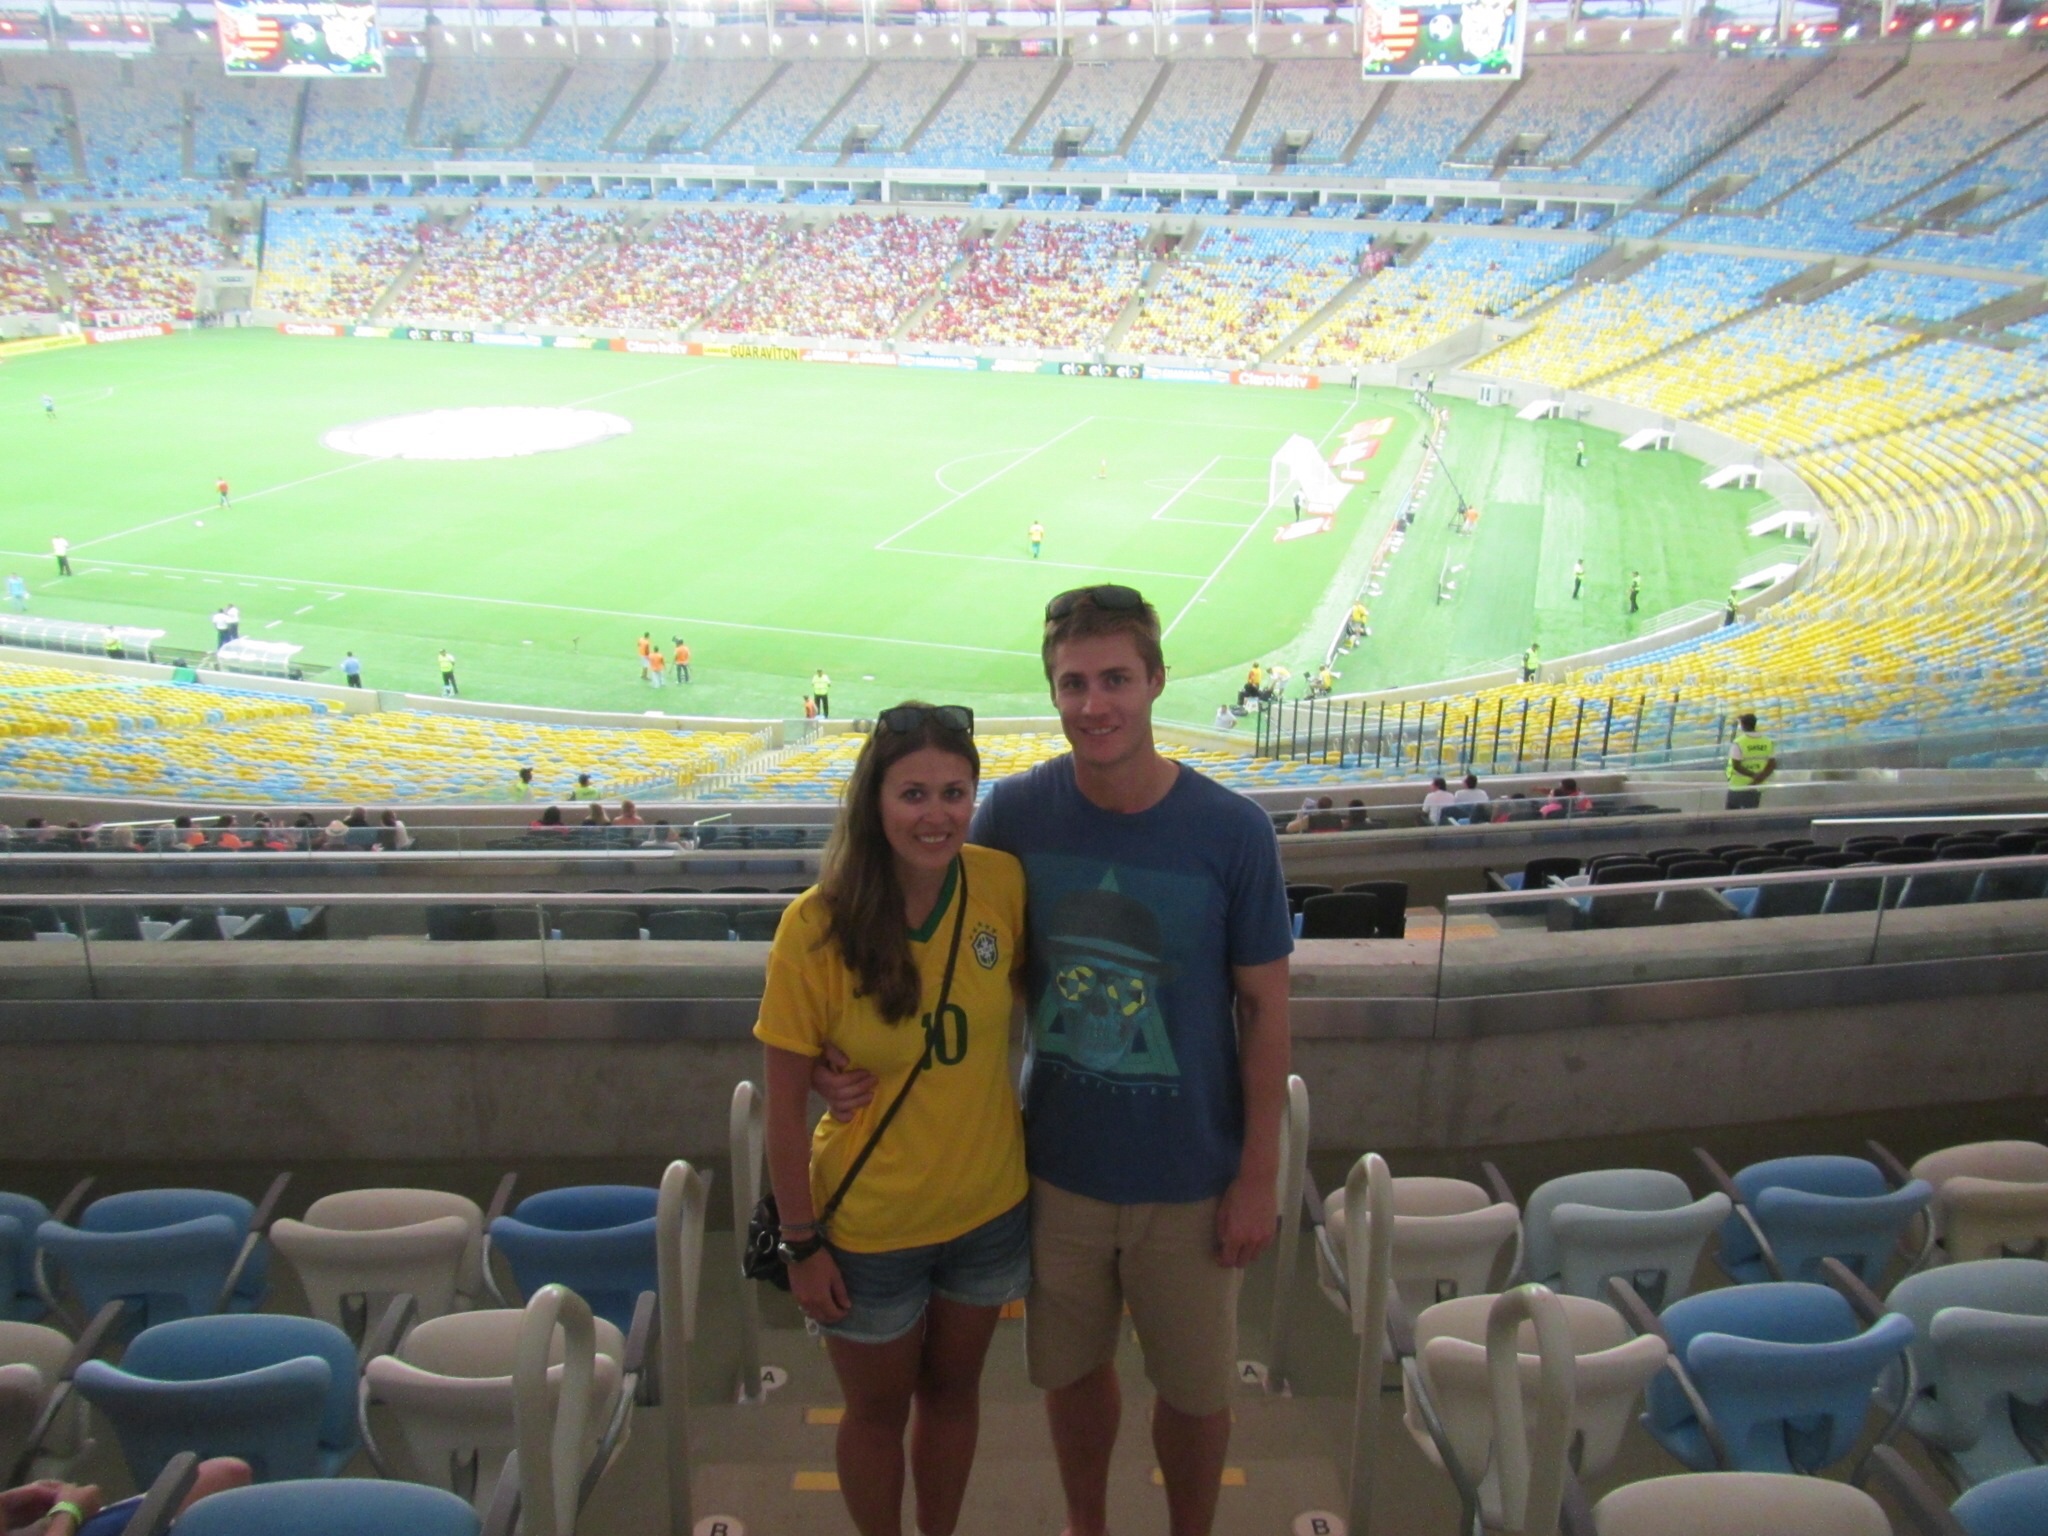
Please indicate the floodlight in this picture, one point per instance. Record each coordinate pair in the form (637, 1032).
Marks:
(1173, 39)
(852, 41)
(1131, 38)
(881, 40)
(1678, 37)
(1628, 34)
(1542, 34)
(1579, 36)
(529, 38)
(1093, 39)
(1208, 39)
(1297, 39)
(917, 39)
(1330, 39)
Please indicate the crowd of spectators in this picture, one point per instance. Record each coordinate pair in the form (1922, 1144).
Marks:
(502, 262)
(122, 266)
(854, 277)
(1243, 291)
(263, 832)
(23, 287)
(335, 264)
(1050, 284)
(667, 276)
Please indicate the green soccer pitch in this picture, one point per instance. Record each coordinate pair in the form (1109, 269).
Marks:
(782, 518)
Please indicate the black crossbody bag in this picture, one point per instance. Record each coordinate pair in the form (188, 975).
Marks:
(761, 1259)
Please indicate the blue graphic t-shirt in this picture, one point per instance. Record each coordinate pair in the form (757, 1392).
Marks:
(1135, 924)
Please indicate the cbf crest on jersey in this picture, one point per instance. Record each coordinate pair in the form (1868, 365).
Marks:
(987, 950)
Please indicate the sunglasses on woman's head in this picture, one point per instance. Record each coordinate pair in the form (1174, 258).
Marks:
(1113, 598)
(905, 718)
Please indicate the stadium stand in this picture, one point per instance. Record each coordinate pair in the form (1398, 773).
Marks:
(1451, 284)
(1420, 127)
(975, 125)
(775, 125)
(1191, 120)
(1244, 291)
(35, 112)
(893, 99)
(1044, 283)
(334, 263)
(81, 735)
(483, 104)
(853, 276)
(1101, 96)
(503, 262)
(591, 103)
(1562, 105)
(240, 114)
(1603, 326)
(665, 276)
(692, 99)
(130, 266)
(1323, 98)
(360, 119)
(24, 289)
(132, 130)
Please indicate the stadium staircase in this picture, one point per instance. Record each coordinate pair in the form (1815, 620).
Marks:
(410, 270)
(931, 113)
(1250, 114)
(74, 133)
(1304, 332)
(417, 108)
(645, 89)
(1155, 270)
(952, 274)
(188, 119)
(547, 104)
(1620, 119)
(1038, 108)
(1945, 214)
(295, 144)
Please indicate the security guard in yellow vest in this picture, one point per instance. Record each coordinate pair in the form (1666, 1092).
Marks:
(116, 651)
(1751, 760)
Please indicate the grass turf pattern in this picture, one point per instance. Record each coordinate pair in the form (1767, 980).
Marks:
(784, 517)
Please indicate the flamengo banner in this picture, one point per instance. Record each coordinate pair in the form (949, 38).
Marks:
(101, 319)
(127, 332)
(303, 328)
(1259, 379)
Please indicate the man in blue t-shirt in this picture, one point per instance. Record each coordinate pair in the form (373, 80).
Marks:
(1156, 993)
(1156, 989)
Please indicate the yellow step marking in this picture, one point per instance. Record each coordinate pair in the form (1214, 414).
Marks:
(823, 1415)
(1233, 1477)
(1012, 1311)
(815, 1482)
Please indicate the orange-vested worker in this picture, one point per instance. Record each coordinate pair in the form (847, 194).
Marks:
(682, 659)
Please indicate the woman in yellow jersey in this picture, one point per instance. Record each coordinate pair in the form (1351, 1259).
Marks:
(931, 1237)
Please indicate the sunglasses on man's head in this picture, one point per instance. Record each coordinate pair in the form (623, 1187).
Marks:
(905, 718)
(1113, 598)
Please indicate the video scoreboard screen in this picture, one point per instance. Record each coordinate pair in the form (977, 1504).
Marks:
(300, 37)
(1444, 39)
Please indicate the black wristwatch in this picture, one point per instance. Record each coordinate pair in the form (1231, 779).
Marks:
(796, 1252)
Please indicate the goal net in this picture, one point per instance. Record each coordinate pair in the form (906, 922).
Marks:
(1299, 468)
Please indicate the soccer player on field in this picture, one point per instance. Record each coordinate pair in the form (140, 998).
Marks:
(49, 408)
(221, 485)
(1037, 537)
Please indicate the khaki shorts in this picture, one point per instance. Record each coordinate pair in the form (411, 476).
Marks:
(1090, 1259)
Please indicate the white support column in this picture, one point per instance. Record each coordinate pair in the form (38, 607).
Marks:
(1785, 15)
(1886, 10)
(1987, 17)
(1059, 27)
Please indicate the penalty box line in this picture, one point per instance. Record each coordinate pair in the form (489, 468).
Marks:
(1195, 597)
(987, 480)
(635, 616)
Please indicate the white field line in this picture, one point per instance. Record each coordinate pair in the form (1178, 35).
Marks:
(637, 616)
(1196, 522)
(1188, 606)
(959, 496)
(214, 506)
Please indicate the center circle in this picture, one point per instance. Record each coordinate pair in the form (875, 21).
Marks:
(477, 432)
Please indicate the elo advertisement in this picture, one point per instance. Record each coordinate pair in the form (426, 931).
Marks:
(1444, 40)
(300, 37)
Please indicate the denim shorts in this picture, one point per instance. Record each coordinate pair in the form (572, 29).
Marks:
(985, 1267)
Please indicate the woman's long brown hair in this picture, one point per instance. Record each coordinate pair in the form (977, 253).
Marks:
(858, 882)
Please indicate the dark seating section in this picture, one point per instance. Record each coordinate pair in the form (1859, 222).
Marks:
(1352, 915)
(1851, 893)
(1392, 896)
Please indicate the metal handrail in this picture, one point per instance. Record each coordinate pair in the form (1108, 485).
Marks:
(1482, 900)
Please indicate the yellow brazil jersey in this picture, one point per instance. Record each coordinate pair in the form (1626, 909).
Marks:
(954, 1156)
